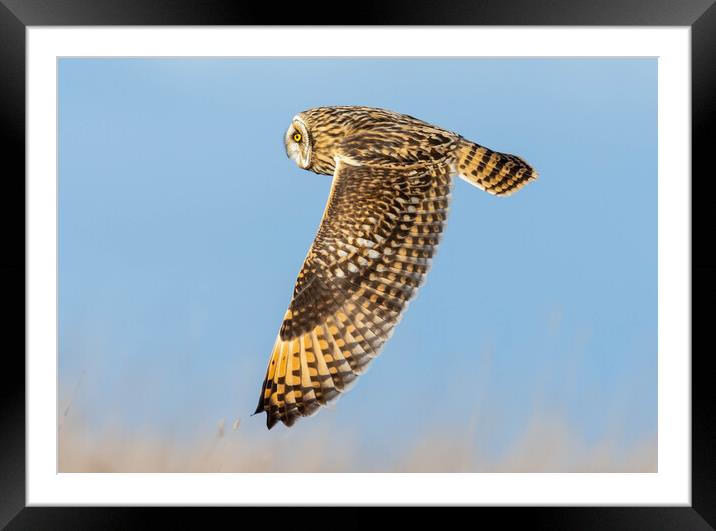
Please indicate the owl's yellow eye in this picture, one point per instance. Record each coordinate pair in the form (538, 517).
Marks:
(297, 137)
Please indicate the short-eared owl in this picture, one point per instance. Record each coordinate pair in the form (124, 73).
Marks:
(385, 213)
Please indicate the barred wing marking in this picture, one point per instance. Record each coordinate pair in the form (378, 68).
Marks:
(372, 250)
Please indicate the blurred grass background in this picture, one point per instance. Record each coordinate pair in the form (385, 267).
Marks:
(545, 443)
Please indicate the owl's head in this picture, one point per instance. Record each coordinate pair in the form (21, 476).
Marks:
(299, 143)
(313, 138)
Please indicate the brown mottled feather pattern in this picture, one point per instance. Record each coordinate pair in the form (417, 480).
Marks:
(386, 211)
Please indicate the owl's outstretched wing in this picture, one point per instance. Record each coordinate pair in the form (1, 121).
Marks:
(371, 252)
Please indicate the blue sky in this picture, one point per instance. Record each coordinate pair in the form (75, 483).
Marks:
(182, 226)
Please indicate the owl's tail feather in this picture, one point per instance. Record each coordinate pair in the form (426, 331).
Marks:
(496, 173)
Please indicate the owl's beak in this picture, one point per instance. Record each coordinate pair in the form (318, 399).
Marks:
(293, 151)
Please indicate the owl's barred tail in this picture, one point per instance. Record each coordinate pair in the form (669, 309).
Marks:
(496, 173)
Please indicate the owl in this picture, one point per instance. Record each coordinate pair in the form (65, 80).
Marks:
(386, 211)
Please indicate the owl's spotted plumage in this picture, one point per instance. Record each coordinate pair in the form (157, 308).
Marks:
(386, 211)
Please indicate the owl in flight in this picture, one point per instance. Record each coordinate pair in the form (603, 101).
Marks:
(386, 210)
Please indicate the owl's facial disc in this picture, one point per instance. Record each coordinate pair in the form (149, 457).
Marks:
(298, 144)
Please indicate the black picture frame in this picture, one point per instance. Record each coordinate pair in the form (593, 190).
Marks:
(700, 15)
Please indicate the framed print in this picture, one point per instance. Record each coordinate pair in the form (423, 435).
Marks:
(175, 178)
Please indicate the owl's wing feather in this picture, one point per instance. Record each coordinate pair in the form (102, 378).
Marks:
(372, 250)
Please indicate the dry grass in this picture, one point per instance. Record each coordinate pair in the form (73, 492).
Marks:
(545, 445)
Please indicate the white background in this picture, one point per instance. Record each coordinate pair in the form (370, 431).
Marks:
(670, 486)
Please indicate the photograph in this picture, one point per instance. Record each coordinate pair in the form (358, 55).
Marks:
(357, 264)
